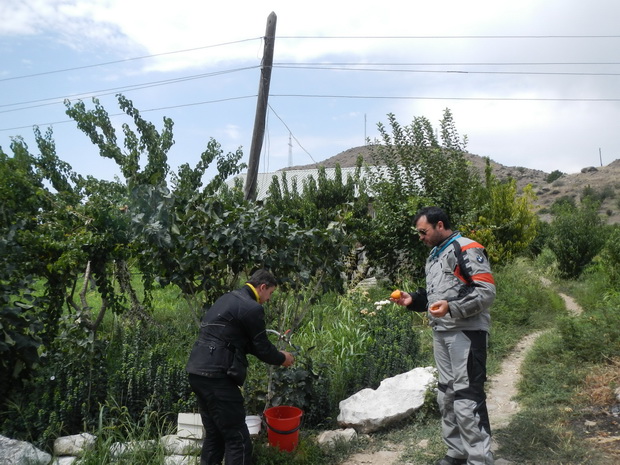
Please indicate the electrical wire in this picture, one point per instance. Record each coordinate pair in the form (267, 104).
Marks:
(291, 133)
(76, 68)
(114, 90)
(449, 71)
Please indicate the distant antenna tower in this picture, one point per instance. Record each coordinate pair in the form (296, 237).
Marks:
(290, 151)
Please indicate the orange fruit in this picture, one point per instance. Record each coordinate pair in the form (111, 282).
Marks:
(396, 294)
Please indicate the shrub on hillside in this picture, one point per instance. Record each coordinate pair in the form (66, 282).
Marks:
(577, 235)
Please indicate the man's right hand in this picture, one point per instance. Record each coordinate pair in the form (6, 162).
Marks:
(289, 360)
(405, 299)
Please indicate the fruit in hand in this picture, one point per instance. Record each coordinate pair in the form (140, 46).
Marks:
(396, 294)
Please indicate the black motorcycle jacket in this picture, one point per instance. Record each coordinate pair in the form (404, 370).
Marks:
(235, 322)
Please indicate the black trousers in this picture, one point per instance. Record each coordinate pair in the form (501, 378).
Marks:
(223, 417)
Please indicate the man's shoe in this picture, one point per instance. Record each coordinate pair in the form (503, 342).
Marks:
(447, 460)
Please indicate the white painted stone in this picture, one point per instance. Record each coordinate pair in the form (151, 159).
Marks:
(66, 460)
(189, 425)
(74, 445)
(330, 438)
(181, 460)
(15, 452)
(118, 449)
(175, 445)
(396, 398)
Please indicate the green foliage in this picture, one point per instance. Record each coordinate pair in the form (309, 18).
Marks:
(596, 196)
(71, 382)
(506, 223)
(393, 346)
(610, 257)
(143, 375)
(540, 241)
(556, 174)
(416, 170)
(562, 204)
(578, 235)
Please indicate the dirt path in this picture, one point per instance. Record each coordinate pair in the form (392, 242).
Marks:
(501, 390)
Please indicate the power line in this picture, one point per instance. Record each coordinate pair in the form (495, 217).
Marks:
(291, 133)
(64, 70)
(368, 97)
(113, 90)
(396, 97)
(458, 37)
(549, 73)
(451, 63)
(143, 57)
(141, 111)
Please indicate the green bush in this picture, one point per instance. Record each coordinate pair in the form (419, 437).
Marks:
(554, 175)
(578, 234)
(143, 377)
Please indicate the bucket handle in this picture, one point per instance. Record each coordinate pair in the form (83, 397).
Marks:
(281, 432)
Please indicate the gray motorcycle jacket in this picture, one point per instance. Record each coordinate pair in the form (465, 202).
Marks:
(469, 299)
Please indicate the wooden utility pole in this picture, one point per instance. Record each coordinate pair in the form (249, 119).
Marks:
(261, 108)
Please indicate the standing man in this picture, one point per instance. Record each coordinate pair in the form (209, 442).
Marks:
(459, 292)
(233, 327)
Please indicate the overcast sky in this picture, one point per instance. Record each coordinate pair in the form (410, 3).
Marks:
(531, 83)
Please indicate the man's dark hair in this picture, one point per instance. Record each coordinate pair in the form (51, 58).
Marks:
(433, 215)
(262, 277)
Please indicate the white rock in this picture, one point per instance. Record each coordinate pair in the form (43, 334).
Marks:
(15, 452)
(119, 449)
(396, 398)
(74, 445)
(66, 460)
(175, 445)
(181, 460)
(330, 438)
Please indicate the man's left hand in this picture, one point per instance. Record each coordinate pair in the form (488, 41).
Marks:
(439, 309)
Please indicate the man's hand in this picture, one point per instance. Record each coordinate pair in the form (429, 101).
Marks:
(289, 360)
(405, 299)
(439, 309)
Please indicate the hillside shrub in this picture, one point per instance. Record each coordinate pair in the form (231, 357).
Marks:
(578, 234)
(556, 174)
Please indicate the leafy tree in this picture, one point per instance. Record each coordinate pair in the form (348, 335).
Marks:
(416, 170)
(578, 234)
(504, 221)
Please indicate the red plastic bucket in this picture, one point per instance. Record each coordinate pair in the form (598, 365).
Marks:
(283, 426)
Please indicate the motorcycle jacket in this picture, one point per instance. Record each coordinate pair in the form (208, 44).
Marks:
(233, 326)
(469, 292)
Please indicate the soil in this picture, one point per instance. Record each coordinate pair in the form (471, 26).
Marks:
(600, 426)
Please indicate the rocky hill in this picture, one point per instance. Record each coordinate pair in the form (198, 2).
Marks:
(603, 179)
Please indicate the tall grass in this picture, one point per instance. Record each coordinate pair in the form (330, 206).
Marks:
(553, 377)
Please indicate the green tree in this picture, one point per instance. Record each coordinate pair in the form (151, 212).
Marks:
(416, 169)
(577, 236)
(504, 220)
